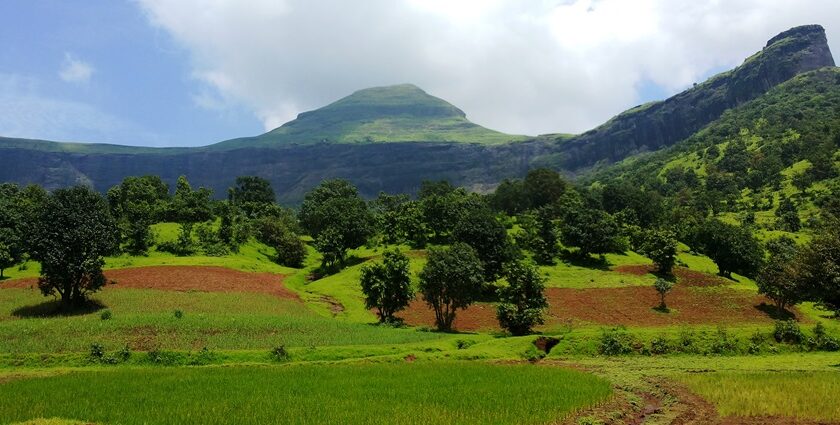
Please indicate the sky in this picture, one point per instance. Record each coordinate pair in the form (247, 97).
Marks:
(195, 72)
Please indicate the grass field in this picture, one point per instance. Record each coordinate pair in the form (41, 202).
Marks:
(791, 394)
(419, 393)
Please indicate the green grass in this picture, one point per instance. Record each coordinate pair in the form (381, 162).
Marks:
(792, 394)
(144, 319)
(419, 393)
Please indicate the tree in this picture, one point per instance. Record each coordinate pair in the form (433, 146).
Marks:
(660, 246)
(250, 193)
(337, 217)
(72, 234)
(479, 228)
(591, 231)
(733, 248)
(291, 251)
(387, 285)
(542, 187)
(11, 249)
(779, 279)
(663, 286)
(819, 267)
(510, 197)
(545, 241)
(788, 216)
(452, 279)
(190, 206)
(522, 301)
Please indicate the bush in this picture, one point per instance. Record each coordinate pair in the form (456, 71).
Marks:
(724, 343)
(788, 331)
(660, 345)
(105, 315)
(823, 341)
(179, 314)
(164, 358)
(687, 342)
(280, 354)
(616, 341)
(463, 344)
(97, 351)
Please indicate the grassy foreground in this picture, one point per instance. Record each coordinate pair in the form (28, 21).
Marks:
(790, 394)
(403, 393)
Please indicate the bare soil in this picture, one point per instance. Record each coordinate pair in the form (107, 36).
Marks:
(185, 279)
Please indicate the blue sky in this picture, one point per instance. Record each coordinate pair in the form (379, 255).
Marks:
(193, 72)
(140, 90)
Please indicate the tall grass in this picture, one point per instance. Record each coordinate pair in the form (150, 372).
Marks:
(419, 393)
(804, 395)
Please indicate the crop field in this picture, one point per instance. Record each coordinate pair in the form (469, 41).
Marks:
(406, 393)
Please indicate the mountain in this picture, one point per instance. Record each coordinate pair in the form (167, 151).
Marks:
(401, 113)
(392, 138)
(657, 124)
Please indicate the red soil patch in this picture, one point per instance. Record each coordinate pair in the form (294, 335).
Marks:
(186, 278)
(618, 306)
(477, 316)
(635, 269)
(684, 276)
(634, 306)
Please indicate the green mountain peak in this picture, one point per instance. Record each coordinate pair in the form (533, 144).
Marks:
(398, 113)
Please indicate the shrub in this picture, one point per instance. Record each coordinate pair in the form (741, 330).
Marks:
(179, 314)
(164, 358)
(724, 343)
(105, 315)
(615, 341)
(280, 354)
(462, 344)
(663, 286)
(205, 356)
(123, 354)
(687, 342)
(97, 351)
(660, 345)
(823, 341)
(788, 331)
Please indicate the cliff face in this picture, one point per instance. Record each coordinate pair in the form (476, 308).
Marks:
(652, 126)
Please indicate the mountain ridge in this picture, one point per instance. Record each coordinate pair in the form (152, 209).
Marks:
(376, 166)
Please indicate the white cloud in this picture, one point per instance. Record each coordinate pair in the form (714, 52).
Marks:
(522, 67)
(74, 70)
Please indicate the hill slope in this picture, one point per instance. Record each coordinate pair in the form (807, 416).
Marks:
(401, 113)
(660, 124)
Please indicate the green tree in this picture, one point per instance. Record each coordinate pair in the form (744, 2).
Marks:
(522, 302)
(545, 241)
(779, 278)
(249, 193)
(591, 231)
(663, 287)
(819, 267)
(11, 249)
(542, 187)
(788, 216)
(387, 285)
(479, 228)
(734, 249)
(291, 251)
(660, 246)
(190, 206)
(73, 233)
(452, 279)
(338, 218)
(510, 197)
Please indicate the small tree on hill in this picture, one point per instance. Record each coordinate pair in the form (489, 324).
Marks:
(337, 218)
(733, 248)
(819, 267)
(661, 247)
(522, 302)
(72, 234)
(479, 228)
(452, 279)
(11, 249)
(591, 231)
(387, 285)
(545, 241)
(788, 216)
(778, 279)
(663, 287)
